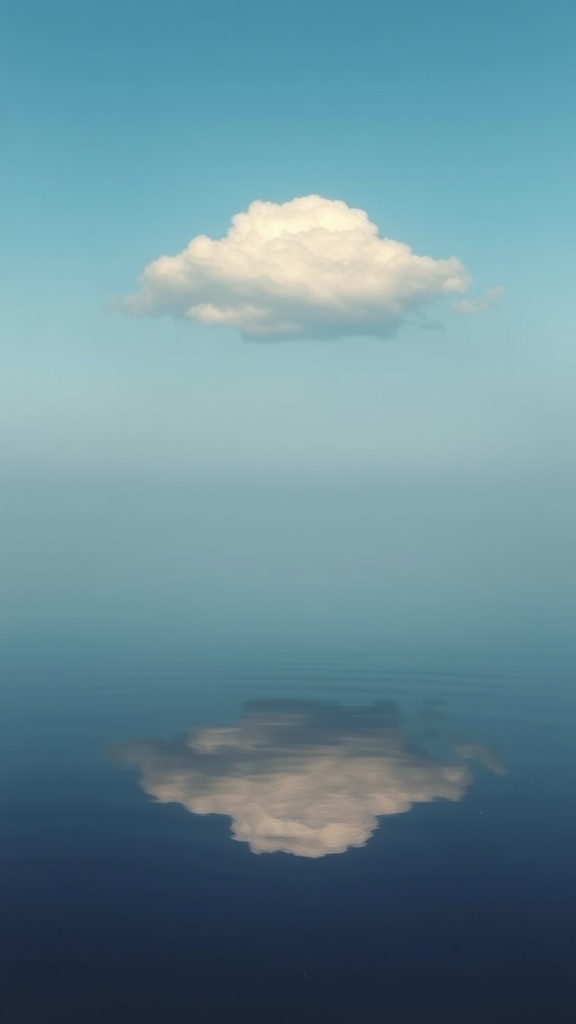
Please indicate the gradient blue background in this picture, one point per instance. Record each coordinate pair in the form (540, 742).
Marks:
(189, 521)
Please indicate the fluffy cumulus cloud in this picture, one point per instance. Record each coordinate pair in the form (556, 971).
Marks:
(301, 777)
(309, 268)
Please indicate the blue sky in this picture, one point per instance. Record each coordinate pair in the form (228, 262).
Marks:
(131, 127)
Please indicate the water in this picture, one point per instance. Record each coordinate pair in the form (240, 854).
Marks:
(246, 780)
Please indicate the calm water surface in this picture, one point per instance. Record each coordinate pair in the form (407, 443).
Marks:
(276, 813)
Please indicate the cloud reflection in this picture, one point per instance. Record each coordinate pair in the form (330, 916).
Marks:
(301, 777)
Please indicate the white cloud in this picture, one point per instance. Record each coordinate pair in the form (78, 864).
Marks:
(300, 777)
(308, 268)
(488, 300)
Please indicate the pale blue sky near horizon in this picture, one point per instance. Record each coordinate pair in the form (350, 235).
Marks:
(131, 127)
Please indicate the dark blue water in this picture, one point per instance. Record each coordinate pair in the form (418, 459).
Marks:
(259, 813)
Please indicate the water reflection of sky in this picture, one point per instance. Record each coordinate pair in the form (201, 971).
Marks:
(302, 776)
